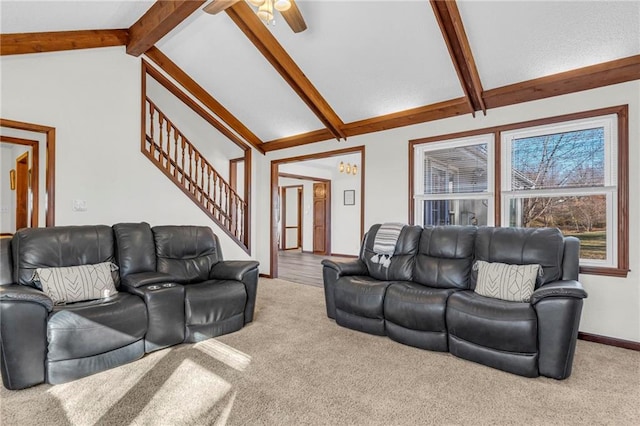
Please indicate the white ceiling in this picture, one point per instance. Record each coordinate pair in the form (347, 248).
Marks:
(27, 16)
(366, 58)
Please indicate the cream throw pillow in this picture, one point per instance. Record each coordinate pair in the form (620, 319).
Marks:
(514, 283)
(77, 283)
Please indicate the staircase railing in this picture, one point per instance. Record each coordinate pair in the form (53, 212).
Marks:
(181, 162)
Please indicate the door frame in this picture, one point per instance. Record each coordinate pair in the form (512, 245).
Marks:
(22, 162)
(275, 175)
(283, 214)
(35, 173)
(50, 166)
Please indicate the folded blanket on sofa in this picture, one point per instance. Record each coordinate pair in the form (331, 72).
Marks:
(384, 244)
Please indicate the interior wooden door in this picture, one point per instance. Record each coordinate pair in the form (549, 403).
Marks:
(321, 217)
(22, 191)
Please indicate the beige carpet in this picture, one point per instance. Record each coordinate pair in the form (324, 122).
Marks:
(294, 366)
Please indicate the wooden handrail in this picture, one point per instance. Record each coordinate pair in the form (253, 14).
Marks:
(170, 150)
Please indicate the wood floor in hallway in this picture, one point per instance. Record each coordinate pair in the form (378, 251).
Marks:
(302, 268)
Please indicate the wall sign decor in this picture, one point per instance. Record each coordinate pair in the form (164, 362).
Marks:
(350, 197)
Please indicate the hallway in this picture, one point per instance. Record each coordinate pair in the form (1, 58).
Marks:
(303, 268)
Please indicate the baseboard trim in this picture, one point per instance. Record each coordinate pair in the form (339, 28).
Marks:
(611, 341)
(264, 276)
(344, 255)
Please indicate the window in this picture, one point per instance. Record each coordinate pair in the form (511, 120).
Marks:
(569, 172)
(454, 182)
(565, 175)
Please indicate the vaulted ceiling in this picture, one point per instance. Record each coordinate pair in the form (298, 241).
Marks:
(361, 66)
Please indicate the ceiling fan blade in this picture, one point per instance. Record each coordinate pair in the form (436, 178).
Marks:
(294, 18)
(219, 5)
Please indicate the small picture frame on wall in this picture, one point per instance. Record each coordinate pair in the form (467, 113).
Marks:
(350, 197)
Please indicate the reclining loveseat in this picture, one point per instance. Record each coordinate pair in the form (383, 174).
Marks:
(161, 286)
(476, 292)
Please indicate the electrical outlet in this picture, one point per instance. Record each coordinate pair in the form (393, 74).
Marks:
(79, 206)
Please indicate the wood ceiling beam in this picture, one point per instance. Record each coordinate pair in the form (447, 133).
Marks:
(189, 84)
(591, 77)
(455, 37)
(21, 43)
(408, 117)
(161, 18)
(249, 23)
(302, 139)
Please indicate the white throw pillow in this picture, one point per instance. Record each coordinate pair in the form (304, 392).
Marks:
(514, 283)
(77, 283)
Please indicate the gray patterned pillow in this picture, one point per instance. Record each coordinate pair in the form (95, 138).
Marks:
(77, 283)
(514, 283)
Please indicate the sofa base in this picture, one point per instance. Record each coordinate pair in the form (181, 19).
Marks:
(522, 364)
(199, 332)
(71, 369)
(367, 325)
(430, 340)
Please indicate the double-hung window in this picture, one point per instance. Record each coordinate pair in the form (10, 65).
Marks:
(565, 175)
(454, 182)
(569, 172)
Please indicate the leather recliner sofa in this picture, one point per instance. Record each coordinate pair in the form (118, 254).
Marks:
(425, 298)
(172, 285)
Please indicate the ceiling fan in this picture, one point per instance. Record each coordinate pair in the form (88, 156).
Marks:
(287, 8)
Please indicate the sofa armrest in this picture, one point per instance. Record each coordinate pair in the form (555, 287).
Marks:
(146, 278)
(232, 269)
(15, 292)
(353, 267)
(558, 306)
(568, 288)
(245, 271)
(23, 331)
(331, 273)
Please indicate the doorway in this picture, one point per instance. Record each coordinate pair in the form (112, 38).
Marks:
(22, 191)
(319, 201)
(291, 217)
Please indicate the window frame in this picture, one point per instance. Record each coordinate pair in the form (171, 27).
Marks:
(620, 266)
(418, 196)
(608, 189)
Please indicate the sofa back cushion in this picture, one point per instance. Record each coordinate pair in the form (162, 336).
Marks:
(521, 246)
(187, 253)
(60, 246)
(135, 248)
(402, 261)
(445, 256)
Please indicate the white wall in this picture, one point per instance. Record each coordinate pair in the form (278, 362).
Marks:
(613, 306)
(92, 98)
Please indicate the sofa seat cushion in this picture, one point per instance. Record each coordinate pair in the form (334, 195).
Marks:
(90, 328)
(361, 296)
(213, 301)
(416, 307)
(492, 323)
